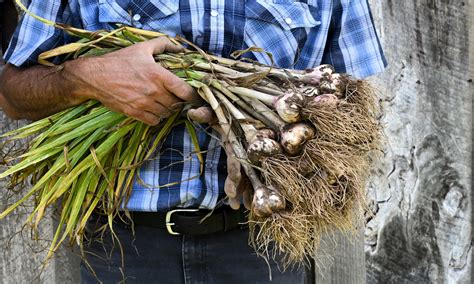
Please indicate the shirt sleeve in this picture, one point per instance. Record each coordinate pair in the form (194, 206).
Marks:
(353, 46)
(32, 37)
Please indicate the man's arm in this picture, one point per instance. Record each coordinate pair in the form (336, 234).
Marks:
(127, 81)
(34, 92)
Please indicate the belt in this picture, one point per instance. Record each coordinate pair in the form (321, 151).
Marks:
(193, 221)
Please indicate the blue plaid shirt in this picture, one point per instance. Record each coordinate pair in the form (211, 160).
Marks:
(299, 34)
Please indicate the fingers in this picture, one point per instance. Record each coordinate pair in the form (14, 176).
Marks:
(167, 81)
(143, 116)
(131, 82)
(243, 193)
(237, 186)
(234, 203)
(245, 189)
(178, 86)
(149, 104)
(203, 114)
(162, 44)
(233, 165)
(170, 82)
(165, 78)
(230, 188)
(233, 173)
(247, 196)
(143, 108)
(165, 99)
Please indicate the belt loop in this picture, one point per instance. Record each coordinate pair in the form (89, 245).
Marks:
(226, 218)
(243, 217)
(231, 217)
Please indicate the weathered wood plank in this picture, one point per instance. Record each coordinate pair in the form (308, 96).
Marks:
(343, 259)
(422, 230)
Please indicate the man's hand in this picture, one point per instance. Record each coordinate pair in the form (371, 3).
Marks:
(129, 81)
(237, 186)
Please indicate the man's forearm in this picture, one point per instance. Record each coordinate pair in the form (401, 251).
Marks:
(35, 92)
(127, 81)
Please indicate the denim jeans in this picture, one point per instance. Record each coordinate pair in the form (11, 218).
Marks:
(155, 256)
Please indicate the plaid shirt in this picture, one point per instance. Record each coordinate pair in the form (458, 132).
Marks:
(299, 34)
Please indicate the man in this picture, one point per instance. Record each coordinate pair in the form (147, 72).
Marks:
(298, 34)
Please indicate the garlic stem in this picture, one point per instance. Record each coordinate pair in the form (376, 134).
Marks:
(266, 201)
(249, 93)
(249, 130)
(255, 67)
(219, 68)
(235, 143)
(242, 104)
(268, 90)
(277, 122)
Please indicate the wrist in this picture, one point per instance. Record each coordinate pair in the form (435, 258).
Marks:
(74, 83)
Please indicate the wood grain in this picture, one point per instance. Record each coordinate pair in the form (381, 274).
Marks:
(422, 190)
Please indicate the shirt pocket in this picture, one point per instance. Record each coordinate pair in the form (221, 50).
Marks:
(158, 15)
(280, 27)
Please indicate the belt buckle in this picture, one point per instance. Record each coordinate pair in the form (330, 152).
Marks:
(168, 219)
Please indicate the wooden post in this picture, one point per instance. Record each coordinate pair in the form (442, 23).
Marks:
(421, 232)
(345, 259)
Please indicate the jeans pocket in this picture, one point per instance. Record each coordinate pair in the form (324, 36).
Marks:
(279, 27)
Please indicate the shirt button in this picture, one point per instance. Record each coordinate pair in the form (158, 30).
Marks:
(136, 17)
(288, 21)
(214, 13)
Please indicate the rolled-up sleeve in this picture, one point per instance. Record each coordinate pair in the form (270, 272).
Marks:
(353, 45)
(32, 37)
